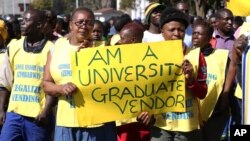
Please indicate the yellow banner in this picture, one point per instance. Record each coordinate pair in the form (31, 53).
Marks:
(239, 7)
(119, 82)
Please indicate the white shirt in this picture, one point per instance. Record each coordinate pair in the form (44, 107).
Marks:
(151, 37)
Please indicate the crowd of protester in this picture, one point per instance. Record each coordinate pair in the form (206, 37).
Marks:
(44, 40)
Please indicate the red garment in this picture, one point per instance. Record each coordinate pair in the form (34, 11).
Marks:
(213, 42)
(133, 132)
(199, 87)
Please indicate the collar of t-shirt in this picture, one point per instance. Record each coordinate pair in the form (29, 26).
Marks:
(207, 50)
(36, 49)
(218, 35)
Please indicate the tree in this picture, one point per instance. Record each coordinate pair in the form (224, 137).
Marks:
(197, 7)
(42, 4)
(64, 6)
(124, 4)
(105, 3)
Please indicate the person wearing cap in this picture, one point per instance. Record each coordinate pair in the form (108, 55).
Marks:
(152, 18)
(184, 126)
(3, 92)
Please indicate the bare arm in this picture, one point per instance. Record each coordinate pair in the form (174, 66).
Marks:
(49, 85)
(239, 47)
(6, 80)
(43, 117)
(4, 98)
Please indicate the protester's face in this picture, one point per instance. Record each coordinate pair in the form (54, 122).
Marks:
(173, 30)
(225, 22)
(82, 25)
(155, 16)
(213, 22)
(97, 32)
(28, 25)
(199, 36)
(183, 7)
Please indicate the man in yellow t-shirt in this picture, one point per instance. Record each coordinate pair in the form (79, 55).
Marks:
(28, 108)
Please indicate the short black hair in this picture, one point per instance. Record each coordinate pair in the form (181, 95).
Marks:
(38, 15)
(219, 13)
(135, 30)
(121, 21)
(238, 20)
(100, 23)
(82, 9)
(173, 14)
(207, 26)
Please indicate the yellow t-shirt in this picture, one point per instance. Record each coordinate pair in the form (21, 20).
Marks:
(238, 92)
(215, 81)
(183, 121)
(115, 39)
(61, 73)
(27, 96)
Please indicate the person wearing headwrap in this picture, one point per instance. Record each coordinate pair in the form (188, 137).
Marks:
(152, 19)
(184, 126)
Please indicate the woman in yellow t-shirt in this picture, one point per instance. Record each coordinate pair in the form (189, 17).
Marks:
(58, 82)
(173, 126)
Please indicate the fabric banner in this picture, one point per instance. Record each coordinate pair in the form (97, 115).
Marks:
(239, 7)
(245, 87)
(119, 82)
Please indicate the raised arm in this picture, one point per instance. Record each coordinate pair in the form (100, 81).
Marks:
(239, 46)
